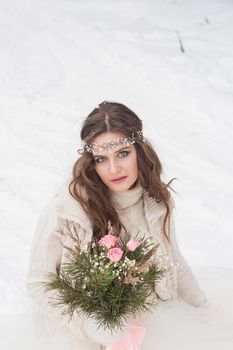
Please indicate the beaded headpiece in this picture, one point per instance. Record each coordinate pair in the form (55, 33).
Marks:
(110, 145)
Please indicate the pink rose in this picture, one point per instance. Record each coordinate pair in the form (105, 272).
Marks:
(132, 245)
(115, 254)
(108, 241)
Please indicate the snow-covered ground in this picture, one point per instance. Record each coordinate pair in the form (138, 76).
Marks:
(58, 60)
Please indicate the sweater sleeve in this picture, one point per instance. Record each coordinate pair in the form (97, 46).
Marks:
(187, 286)
(46, 257)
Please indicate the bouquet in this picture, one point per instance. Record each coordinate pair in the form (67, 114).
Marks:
(111, 280)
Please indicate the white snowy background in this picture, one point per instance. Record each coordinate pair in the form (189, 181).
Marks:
(58, 60)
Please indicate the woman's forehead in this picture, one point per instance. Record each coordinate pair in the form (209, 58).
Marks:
(107, 136)
(109, 142)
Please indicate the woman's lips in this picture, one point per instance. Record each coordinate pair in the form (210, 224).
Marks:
(119, 180)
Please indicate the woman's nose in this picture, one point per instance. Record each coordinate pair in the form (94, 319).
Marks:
(113, 167)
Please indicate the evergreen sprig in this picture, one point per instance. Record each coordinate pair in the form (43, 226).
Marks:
(92, 284)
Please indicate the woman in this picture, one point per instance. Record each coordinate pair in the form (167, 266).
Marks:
(116, 178)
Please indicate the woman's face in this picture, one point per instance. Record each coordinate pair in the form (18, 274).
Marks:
(118, 168)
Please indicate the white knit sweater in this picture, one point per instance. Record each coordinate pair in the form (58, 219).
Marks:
(138, 212)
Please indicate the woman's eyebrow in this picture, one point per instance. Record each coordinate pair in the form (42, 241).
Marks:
(99, 155)
(121, 149)
(104, 155)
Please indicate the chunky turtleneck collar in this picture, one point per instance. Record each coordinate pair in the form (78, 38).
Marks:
(123, 200)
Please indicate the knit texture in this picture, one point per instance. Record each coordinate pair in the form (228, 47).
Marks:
(130, 209)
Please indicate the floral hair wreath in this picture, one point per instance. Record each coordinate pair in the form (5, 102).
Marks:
(111, 145)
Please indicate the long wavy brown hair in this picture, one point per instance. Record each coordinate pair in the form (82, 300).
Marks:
(88, 189)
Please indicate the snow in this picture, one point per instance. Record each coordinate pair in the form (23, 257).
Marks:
(60, 59)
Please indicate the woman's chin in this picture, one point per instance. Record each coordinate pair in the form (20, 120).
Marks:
(123, 186)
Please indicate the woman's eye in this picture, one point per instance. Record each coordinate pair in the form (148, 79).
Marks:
(99, 160)
(123, 154)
